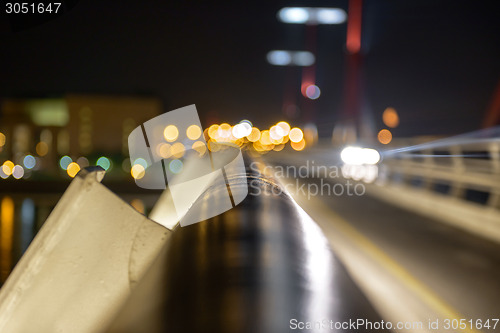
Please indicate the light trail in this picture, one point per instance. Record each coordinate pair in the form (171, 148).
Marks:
(489, 135)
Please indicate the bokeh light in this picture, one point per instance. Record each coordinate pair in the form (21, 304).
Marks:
(64, 162)
(284, 126)
(175, 166)
(29, 162)
(296, 135)
(141, 162)
(73, 169)
(137, 171)
(384, 136)
(254, 135)
(390, 117)
(313, 91)
(298, 145)
(171, 133)
(164, 150)
(104, 162)
(193, 132)
(200, 147)
(42, 148)
(7, 167)
(177, 150)
(83, 162)
(17, 172)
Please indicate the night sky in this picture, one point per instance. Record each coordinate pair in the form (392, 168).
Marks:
(436, 62)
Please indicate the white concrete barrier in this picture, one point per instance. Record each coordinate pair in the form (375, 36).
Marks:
(79, 268)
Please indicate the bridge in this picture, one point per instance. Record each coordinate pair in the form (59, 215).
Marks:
(316, 242)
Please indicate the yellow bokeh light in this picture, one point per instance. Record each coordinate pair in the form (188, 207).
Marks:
(390, 117)
(212, 131)
(257, 146)
(296, 135)
(225, 127)
(276, 133)
(384, 136)
(205, 134)
(164, 150)
(73, 169)
(254, 135)
(2, 139)
(6, 235)
(298, 145)
(284, 126)
(200, 147)
(224, 133)
(193, 132)
(137, 171)
(42, 148)
(7, 167)
(279, 147)
(177, 150)
(171, 133)
(265, 138)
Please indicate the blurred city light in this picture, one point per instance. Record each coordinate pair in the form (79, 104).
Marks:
(384, 136)
(313, 91)
(2, 139)
(6, 235)
(17, 172)
(284, 126)
(64, 162)
(171, 133)
(29, 162)
(104, 162)
(330, 16)
(296, 135)
(276, 133)
(241, 130)
(390, 117)
(142, 162)
(83, 162)
(7, 167)
(353, 40)
(164, 150)
(298, 145)
(200, 147)
(177, 150)
(138, 171)
(73, 169)
(301, 15)
(254, 135)
(359, 156)
(291, 58)
(293, 15)
(193, 132)
(42, 148)
(175, 166)
(279, 58)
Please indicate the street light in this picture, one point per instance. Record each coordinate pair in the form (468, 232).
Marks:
(290, 58)
(312, 16)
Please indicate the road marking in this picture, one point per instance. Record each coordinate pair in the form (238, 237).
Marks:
(420, 289)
